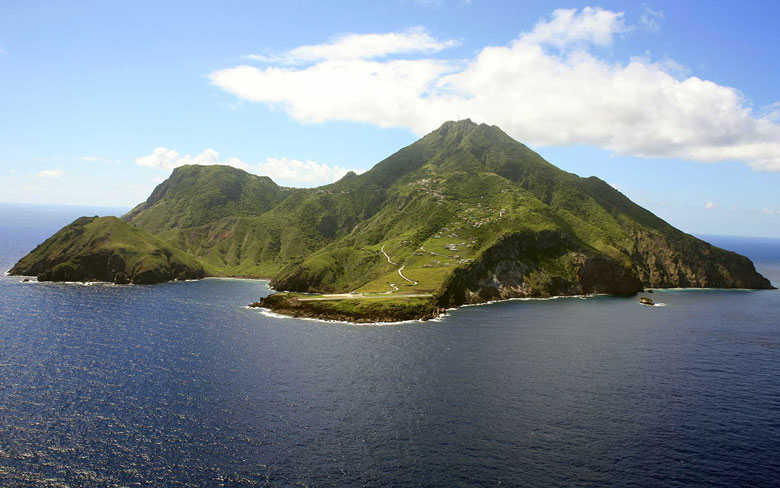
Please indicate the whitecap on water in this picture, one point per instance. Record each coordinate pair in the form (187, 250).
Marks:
(268, 313)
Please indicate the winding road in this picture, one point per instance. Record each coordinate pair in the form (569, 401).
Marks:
(362, 296)
(400, 270)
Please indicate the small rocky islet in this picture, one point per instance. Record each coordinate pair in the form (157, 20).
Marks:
(465, 215)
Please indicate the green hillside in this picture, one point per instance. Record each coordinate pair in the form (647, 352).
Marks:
(107, 249)
(195, 195)
(467, 193)
(464, 215)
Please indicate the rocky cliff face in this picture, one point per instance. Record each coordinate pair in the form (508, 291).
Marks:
(112, 267)
(550, 263)
(691, 263)
(537, 264)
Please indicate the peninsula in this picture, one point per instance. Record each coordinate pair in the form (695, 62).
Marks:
(464, 215)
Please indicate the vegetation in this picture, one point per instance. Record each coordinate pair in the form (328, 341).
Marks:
(465, 214)
(194, 195)
(360, 310)
(107, 249)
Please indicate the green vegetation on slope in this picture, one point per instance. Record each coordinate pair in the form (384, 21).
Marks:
(361, 310)
(107, 249)
(195, 195)
(465, 214)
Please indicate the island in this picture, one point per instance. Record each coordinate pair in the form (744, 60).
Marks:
(465, 215)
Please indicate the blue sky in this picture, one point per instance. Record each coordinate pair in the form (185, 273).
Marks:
(674, 103)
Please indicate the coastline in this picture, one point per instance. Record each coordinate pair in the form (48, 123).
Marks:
(399, 310)
(286, 306)
(34, 278)
(358, 310)
(270, 313)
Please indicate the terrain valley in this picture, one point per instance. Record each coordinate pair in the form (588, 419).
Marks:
(465, 215)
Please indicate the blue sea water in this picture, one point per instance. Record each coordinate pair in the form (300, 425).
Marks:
(180, 385)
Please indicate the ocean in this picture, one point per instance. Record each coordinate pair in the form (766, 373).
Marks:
(181, 385)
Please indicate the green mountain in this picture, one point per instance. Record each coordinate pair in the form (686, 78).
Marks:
(195, 195)
(107, 249)
(464, 215)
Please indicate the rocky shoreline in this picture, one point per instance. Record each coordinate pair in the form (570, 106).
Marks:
(351, 310)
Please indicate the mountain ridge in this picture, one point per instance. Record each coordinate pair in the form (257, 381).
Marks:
(465, 214)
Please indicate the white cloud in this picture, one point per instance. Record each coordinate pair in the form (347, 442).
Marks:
(302, 172)
(164, 158)
(650, 19)
(292, 172)
(99, 159)
(362, 46)
(709, 205)
(50, 174)
(541, 97)
(567, 26)
(770, 211)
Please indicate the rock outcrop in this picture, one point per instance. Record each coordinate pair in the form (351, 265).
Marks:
(537, 265)
(107, 249)
(464, 215)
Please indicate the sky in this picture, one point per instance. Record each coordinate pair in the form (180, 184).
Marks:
(675, 104)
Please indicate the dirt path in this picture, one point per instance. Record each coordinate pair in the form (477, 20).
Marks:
(400, 270)
(404, 277)
(388, 257)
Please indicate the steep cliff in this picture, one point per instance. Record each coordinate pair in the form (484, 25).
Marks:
(107, 249)
(464, 215)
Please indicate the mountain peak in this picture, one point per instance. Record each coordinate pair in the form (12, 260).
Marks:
(461, 130)
(460, 126)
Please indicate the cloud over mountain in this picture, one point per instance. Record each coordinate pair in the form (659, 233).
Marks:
(288, 171)
(550, 87)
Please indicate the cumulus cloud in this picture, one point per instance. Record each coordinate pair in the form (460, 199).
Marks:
(302, 172)
(548, 87)
(770, 211)
(282, 170)
(568, 26)
(164, 158)
(709, 205)
(50, 174)
(362, 46)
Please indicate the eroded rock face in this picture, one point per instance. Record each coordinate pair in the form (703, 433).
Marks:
(550, 263)
(538, 264)
(111, 268)
(599, 274)
(664, 263)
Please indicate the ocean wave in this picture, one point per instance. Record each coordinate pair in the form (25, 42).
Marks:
(528, 299)
(233, 278)
(271, 314)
